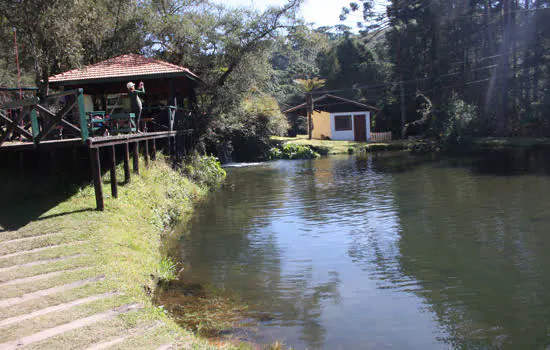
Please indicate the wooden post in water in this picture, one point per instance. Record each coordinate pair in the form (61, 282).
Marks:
(126, 162)
(146, 153)
(153, 150)
(114, 185)
(136, 158)
(96, 173)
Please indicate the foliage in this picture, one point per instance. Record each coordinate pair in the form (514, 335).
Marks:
(204, 170)
(58, 35)
(308, 85)
(459, 118)
(491, 52)
(292, 151)
(167, 270)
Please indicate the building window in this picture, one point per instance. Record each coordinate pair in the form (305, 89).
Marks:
(342, 123)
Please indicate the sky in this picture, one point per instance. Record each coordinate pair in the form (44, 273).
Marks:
(320, 12)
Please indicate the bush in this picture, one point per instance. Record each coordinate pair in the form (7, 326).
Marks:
(204, 170)
(292, 151)
(459, 118)
(167, 271)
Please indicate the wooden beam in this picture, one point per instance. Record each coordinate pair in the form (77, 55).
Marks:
(12, 126)
(127, 163)
(136, 158)
(22, 163)
(96, 173)
(114, 185)
(153, 149)
(79, 109)
(70, 126)
(17, 127)
(56, 120)
(146, 153)
(21, 103)
(64, 93)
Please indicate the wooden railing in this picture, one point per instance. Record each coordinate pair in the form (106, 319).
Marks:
(380, 136)
(35, 120)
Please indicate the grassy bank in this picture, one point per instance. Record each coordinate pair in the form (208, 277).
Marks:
(329, 147)
(93, 263)
(325, 147)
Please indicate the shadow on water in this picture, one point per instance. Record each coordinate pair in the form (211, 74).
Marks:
(497, 162)
(472, 243)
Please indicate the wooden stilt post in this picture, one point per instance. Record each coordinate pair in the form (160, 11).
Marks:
(114, 185)
(54, 170)
(22, 163)
(146, 153)
(96, 173)
(153, 149)
(74, 153)
(136, 158)
(126, 163)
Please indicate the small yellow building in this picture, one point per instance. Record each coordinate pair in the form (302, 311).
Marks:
(337, 118)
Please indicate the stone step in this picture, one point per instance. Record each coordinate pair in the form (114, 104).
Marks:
(39, 262)
(56, 308)
(80, 323)
(45, 292)
(117, 340)
(35, 250)
(40, 277)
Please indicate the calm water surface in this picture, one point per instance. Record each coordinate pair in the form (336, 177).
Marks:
(379, 252)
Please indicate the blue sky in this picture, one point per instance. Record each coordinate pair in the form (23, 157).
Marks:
(321, 12)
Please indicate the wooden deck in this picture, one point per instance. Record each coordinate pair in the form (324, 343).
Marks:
(39, 125)
(131, 142)
(92, 142)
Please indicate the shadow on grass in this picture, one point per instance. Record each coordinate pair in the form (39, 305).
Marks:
(25, 200)
(46, 217)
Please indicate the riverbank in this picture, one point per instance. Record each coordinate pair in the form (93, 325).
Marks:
(75, 277)
(332, 147)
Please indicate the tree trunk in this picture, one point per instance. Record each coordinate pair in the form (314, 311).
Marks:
(309, 101)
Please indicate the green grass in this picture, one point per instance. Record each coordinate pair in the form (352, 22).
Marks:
(123, 243)
(339, 147)
(503, 142)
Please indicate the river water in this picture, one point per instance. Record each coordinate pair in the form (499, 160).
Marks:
(383, 251)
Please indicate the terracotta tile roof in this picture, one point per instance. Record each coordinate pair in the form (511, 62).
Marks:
(129, 65)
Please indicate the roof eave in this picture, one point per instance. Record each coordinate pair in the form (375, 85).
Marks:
(188, 75)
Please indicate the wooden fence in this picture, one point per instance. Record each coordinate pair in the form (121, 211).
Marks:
(36, 121)
(380, 136)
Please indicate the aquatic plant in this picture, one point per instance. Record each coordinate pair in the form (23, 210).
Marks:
(167, 270)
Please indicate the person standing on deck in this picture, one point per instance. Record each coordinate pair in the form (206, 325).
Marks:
(135, 102)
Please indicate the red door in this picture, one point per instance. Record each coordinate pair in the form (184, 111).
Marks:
(360, 127)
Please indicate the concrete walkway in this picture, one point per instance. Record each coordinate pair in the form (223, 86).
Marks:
(54, 295)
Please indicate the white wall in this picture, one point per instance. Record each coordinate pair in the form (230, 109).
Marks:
(348, 135)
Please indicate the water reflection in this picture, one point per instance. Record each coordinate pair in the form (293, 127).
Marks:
(383, 251)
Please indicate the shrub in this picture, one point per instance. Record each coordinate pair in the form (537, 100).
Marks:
(166, 271)
(292, 151)
(459, 118)
(204, 170)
